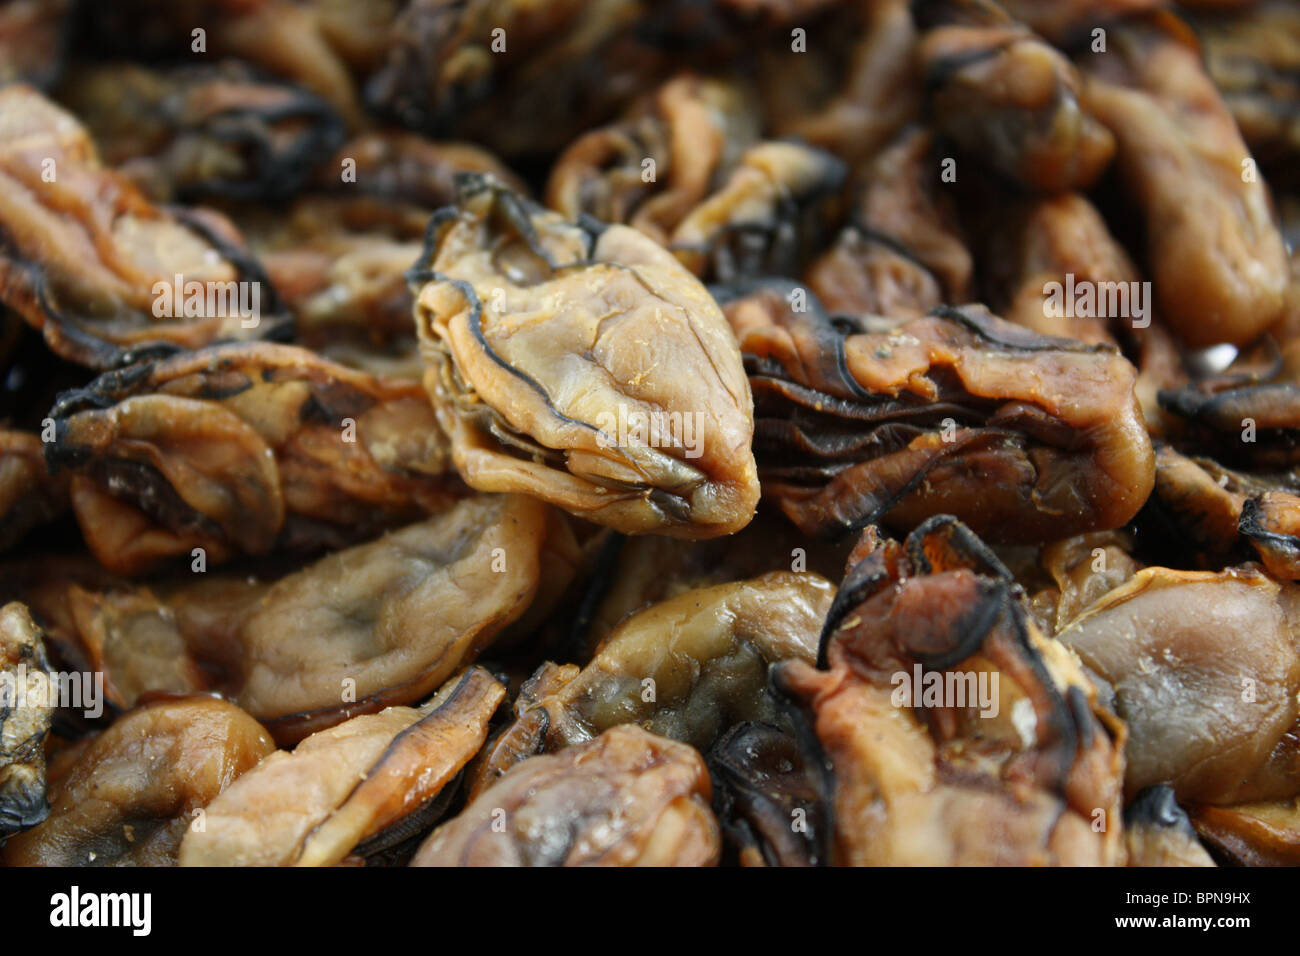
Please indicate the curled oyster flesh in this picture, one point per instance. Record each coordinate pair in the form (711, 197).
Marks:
(344, 786)
(957, 733)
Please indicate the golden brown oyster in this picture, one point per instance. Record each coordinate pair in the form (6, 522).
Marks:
(902, 253)
(366, 627)
(129, 796)
(97, 268)
(1009, 98)
(624, 798)
(346, 786)
(1216, 256)
(588, 369)
(1021, 436)
(242, 449)
(26, 706)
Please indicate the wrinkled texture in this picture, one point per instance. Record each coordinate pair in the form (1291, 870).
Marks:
(590, 371)
(202, 131)
(341, 786)
(1009, 98)
(131, 794)
(625, 798)
(1217, 260)
(243, 449)
(84, 251)
(902, 253)
(1015, 774)
(370, 626)
(27, 699)
(891, 426)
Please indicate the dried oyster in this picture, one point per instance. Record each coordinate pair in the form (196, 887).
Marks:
(1217, 259)
(240, 449)
(590, 370)
(1009, 98)
(1023, 437)
(1204, 669)
(129, 796)
(370, 626)
(957, 733)
(625, 798)
(345, 786)
(1252, 834)
(210, 131)
(98, 269)
(689, 668)
(902, 254)
(25, 709)
(518, 77)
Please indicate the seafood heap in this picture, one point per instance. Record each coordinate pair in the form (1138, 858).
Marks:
(649, 432)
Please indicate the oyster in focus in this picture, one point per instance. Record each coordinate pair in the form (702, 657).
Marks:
(585, 367)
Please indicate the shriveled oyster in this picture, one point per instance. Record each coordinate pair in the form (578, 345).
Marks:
(688, 668)
(902, 253)
(240, 449)
(957, 733)
(26, 706)
(586, 368)
(370, 626)
(1022, 436)
(209, 131)
(1009, 98)
(1204, 669)
(624, 798)
(95, 266)
(345, 786)
(130, 795)
(1217, 258)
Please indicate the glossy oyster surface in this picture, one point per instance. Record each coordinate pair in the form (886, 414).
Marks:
(378, 624)
(1219, 273)
(436, 430)
(26, 707)
(587, 369)
(1203, 668)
